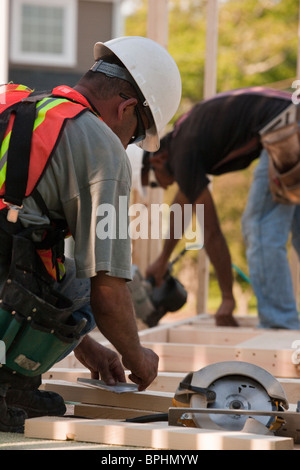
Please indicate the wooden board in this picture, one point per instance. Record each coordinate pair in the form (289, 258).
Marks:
(165, 381)
(177, 357)
(147, 400)
(156, 436)
(108, 412)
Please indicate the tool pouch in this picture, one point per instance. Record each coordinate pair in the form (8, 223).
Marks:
(36, 321)
(283, 149)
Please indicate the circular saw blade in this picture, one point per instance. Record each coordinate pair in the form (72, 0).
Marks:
(233, 392)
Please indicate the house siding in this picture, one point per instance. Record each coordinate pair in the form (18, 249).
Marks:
(95, 23)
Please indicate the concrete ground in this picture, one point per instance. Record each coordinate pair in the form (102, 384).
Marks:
(16, 441)
(13, 441)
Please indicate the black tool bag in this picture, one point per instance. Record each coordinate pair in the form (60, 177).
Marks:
(280, 137)
(36, 321)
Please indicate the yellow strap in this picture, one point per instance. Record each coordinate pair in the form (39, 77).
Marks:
(42, 113)
(42, 109)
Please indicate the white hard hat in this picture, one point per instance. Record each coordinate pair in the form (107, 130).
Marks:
(154, 72)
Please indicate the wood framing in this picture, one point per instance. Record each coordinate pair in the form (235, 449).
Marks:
(191, 344)
(194, 343)
(184, 346)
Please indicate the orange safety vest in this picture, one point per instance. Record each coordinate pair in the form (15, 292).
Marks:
(52, 111)
(49, 113)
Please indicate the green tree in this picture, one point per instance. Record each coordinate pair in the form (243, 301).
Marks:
(258, 41)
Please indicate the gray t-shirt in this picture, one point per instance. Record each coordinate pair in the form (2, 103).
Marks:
(87, 183)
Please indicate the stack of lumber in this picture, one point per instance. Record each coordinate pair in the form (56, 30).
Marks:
(189, 345)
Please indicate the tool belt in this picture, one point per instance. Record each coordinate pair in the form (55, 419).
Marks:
(283, 147)
(36, 321)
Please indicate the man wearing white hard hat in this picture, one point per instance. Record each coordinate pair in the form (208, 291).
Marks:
(77, 170)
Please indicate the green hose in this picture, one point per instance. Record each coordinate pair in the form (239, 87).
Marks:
(241, 273)
(234, 266)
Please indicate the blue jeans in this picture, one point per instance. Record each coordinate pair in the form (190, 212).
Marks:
(266, 228)
(77, 290)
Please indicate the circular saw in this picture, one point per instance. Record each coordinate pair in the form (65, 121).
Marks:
(229, 396)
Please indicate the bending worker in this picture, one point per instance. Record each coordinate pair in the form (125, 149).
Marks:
(73, 164)
(217, 136)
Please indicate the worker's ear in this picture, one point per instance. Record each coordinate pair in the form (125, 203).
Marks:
(126, 106)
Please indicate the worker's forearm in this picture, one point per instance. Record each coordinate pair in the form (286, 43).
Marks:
(167, 250)
(172, 240)
(115, 317)
(219, 255)
(114, 314)
(215, 244)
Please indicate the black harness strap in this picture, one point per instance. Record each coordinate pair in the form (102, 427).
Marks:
(4, 119)
(19, 153)
(40, 202)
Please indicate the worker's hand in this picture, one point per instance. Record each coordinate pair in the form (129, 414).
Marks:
(157, 271)
(224, 315)
(101, 361)
(144, 369)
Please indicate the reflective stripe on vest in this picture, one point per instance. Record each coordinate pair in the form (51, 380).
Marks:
(51, 115)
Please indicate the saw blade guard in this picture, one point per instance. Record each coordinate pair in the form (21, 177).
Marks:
(230, 385)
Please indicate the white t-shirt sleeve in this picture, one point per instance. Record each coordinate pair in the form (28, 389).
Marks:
(135, 155)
